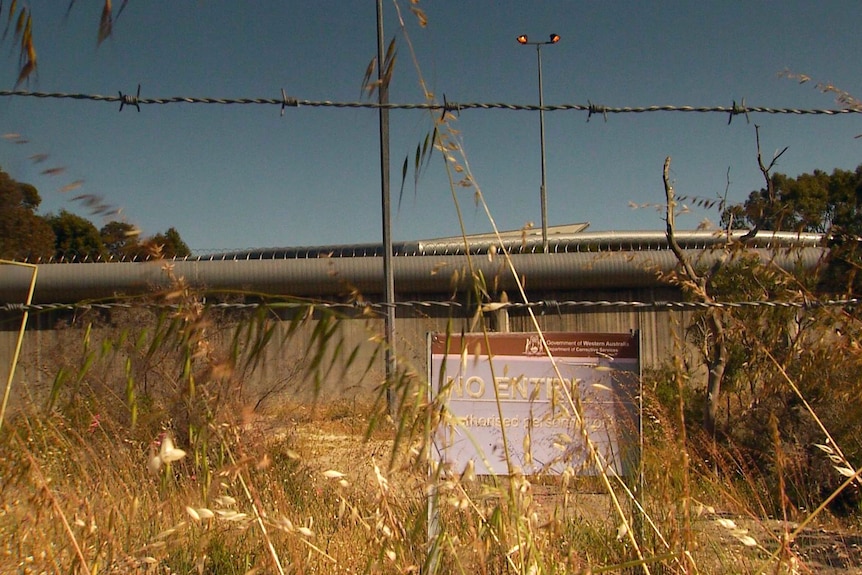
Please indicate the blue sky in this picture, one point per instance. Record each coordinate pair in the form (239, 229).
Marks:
(232, 177)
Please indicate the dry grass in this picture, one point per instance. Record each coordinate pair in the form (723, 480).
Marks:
(92, 485)
(77, 496)
(88, 485)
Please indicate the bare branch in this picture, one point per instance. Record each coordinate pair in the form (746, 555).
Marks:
(766, 169)
(671, 229)
(771, 200)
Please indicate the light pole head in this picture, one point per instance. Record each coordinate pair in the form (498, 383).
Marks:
(523, 39)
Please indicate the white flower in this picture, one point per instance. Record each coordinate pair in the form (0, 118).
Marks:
(168, 453)
(622, 531)
(726, 523)
(746, 540)
(154, 462)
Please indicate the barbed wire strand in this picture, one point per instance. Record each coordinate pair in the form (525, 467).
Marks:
(287, 101)
(545, 304)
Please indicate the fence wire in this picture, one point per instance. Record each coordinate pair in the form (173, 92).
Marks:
(544, 305)
(285, 101)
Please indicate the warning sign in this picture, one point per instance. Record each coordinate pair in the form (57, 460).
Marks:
(508, 406)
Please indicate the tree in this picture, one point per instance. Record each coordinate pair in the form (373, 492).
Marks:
(816, 202)
(77, 238)
(169, 245)
(699, 285)
(24, 235)
(737, 276)
(121, 239)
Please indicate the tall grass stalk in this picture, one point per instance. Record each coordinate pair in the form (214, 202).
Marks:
(42, 485)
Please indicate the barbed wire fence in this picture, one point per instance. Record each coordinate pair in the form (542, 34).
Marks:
(127, 100)
(285, 101)
(545, 305)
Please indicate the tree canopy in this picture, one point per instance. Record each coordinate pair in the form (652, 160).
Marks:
(27, 236)
(120, 239)
(169, 244)
(816, 202)
(77, 237)
(23, 234)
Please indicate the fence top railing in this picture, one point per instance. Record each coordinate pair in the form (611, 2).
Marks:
(516, 242)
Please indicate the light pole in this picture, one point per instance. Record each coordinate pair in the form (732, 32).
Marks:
(524, 41)
(388, 275)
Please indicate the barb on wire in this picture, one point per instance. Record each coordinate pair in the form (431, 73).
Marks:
(285, 101)
(736, 110)
(595, 109)
(127, 99)
(450, 107)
